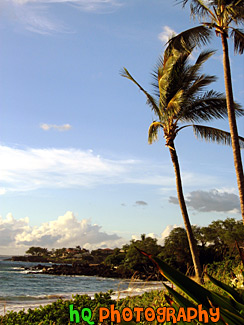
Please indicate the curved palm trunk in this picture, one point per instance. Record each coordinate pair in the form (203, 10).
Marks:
(232, 123)
(190, 236)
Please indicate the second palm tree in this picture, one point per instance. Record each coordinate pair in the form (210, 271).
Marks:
(180, 99)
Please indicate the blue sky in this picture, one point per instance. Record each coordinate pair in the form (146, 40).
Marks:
(75, 164)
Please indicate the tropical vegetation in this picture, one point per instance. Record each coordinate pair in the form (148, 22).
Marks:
(216, 245)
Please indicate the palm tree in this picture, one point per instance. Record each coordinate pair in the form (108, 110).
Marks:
(222, 16)
(180, 99)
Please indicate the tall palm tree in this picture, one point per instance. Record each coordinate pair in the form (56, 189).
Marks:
(221, 16)
(180, 98)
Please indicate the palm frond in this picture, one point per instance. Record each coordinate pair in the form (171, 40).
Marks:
(175, 104)
(192, 71)
(150, 100)
(189, 38)
(198, 85)
(235, 10)
(157, 74)
(153, 131)
(200, 9)
(212, 105)
(238, 35)
(171, 76)
(215, 135)
(204, 56)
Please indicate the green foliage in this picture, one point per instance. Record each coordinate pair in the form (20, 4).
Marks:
(133, 259)
(176, 251)
(115, 259)
(230, 303)
(216, 245)
(224, 233)
(37, 251)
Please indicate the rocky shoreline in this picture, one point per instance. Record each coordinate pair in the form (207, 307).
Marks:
(99, 270)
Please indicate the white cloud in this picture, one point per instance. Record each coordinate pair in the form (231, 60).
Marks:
(47, 127)
(16, 236)
(9, 229)
(161, 238)
(30, 169)
(35, 16)
(166, 34)
(65, 231)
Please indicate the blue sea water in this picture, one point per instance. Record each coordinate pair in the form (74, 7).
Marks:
(20, 289)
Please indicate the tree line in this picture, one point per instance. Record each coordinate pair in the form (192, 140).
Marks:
(216, 243)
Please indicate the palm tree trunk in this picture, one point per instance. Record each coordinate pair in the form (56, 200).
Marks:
(232, 122)
(190, 236)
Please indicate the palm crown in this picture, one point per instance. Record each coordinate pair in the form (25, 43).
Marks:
(224, 16)
(180, 98)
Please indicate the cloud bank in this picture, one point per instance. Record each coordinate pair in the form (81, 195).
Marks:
(66, 231)
(211, 201)
(16, 236)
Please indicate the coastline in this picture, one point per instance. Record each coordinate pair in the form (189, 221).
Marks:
(59, 267)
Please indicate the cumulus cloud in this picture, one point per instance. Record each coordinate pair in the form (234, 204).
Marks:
(65, 231)
(166, 34)
(47, 127)
(213, 200)
(16, 236)
(35, 15)
(10, 228)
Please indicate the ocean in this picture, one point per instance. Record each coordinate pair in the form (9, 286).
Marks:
(20, 289)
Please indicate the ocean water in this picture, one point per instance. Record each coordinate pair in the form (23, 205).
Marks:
(20, 289)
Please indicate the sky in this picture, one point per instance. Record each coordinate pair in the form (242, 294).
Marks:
(75, 167)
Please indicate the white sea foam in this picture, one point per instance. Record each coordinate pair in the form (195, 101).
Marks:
(36, 301)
